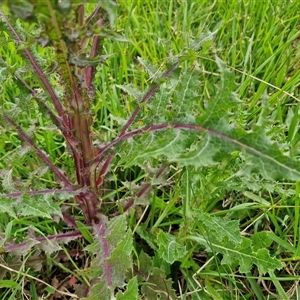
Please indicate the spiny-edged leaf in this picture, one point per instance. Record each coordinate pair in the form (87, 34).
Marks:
(99, 291)
(132, 91)
(6, 206)
(145, 266)
(131, 292)
(205, 137)
(260, 240)
(242, 254)
(48, 244)
(38, 206)
(157, 285)
(169, 249)
(22, 248)
(262, 155)
(31, 205)
(7, 182)
(152, 71)
(225, 99)
(153, 279)
(218, 227)
(176, 101)
(146, 236)
(113, 246)
(120, 259)
(199, 146)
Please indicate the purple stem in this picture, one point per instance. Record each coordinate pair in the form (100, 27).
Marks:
(142, 192)
(147, 97)
(159, 127)
(27, 139)
(90, 70)
(37, 69)
(42, 192)
(102, 236)
(104, 169)
(55, 118)
(72, 234)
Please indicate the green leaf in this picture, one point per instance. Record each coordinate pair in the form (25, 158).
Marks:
(242, 254)
(38, 206)
(147, 236)
(260, 240)
(225, 99)
(169, 249)
(131, 292)
(99, 291)
(154, 283)
(207, 138)
(31, 205)
(113, 249)
(120, 259)
(7, 182)
(6, 206)
(158, 286)
(218, 227)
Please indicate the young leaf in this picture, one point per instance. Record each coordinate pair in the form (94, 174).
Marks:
(218, 227)
(169, 249)
(158, 286)
(131, 292)
(154, 282)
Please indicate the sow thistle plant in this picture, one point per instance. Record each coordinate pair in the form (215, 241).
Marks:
(51, 53)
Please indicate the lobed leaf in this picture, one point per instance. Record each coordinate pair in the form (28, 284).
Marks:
(242, 254)
(187, 135)
(154, 282)
(169, 249)
(220, 228)
(31, 205)
(131, 292)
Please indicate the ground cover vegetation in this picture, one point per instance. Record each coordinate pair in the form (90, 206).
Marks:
(149, 149)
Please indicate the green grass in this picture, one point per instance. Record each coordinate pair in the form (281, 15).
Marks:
(259, 41)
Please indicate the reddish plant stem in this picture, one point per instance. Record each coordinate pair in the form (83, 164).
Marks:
(104, 169)
(27, 139)
(100, 229)
(55, 100)
(89, 72)
(159, 127)
(147, 97)
(72, 234)
(142, 192)
(43, 192)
